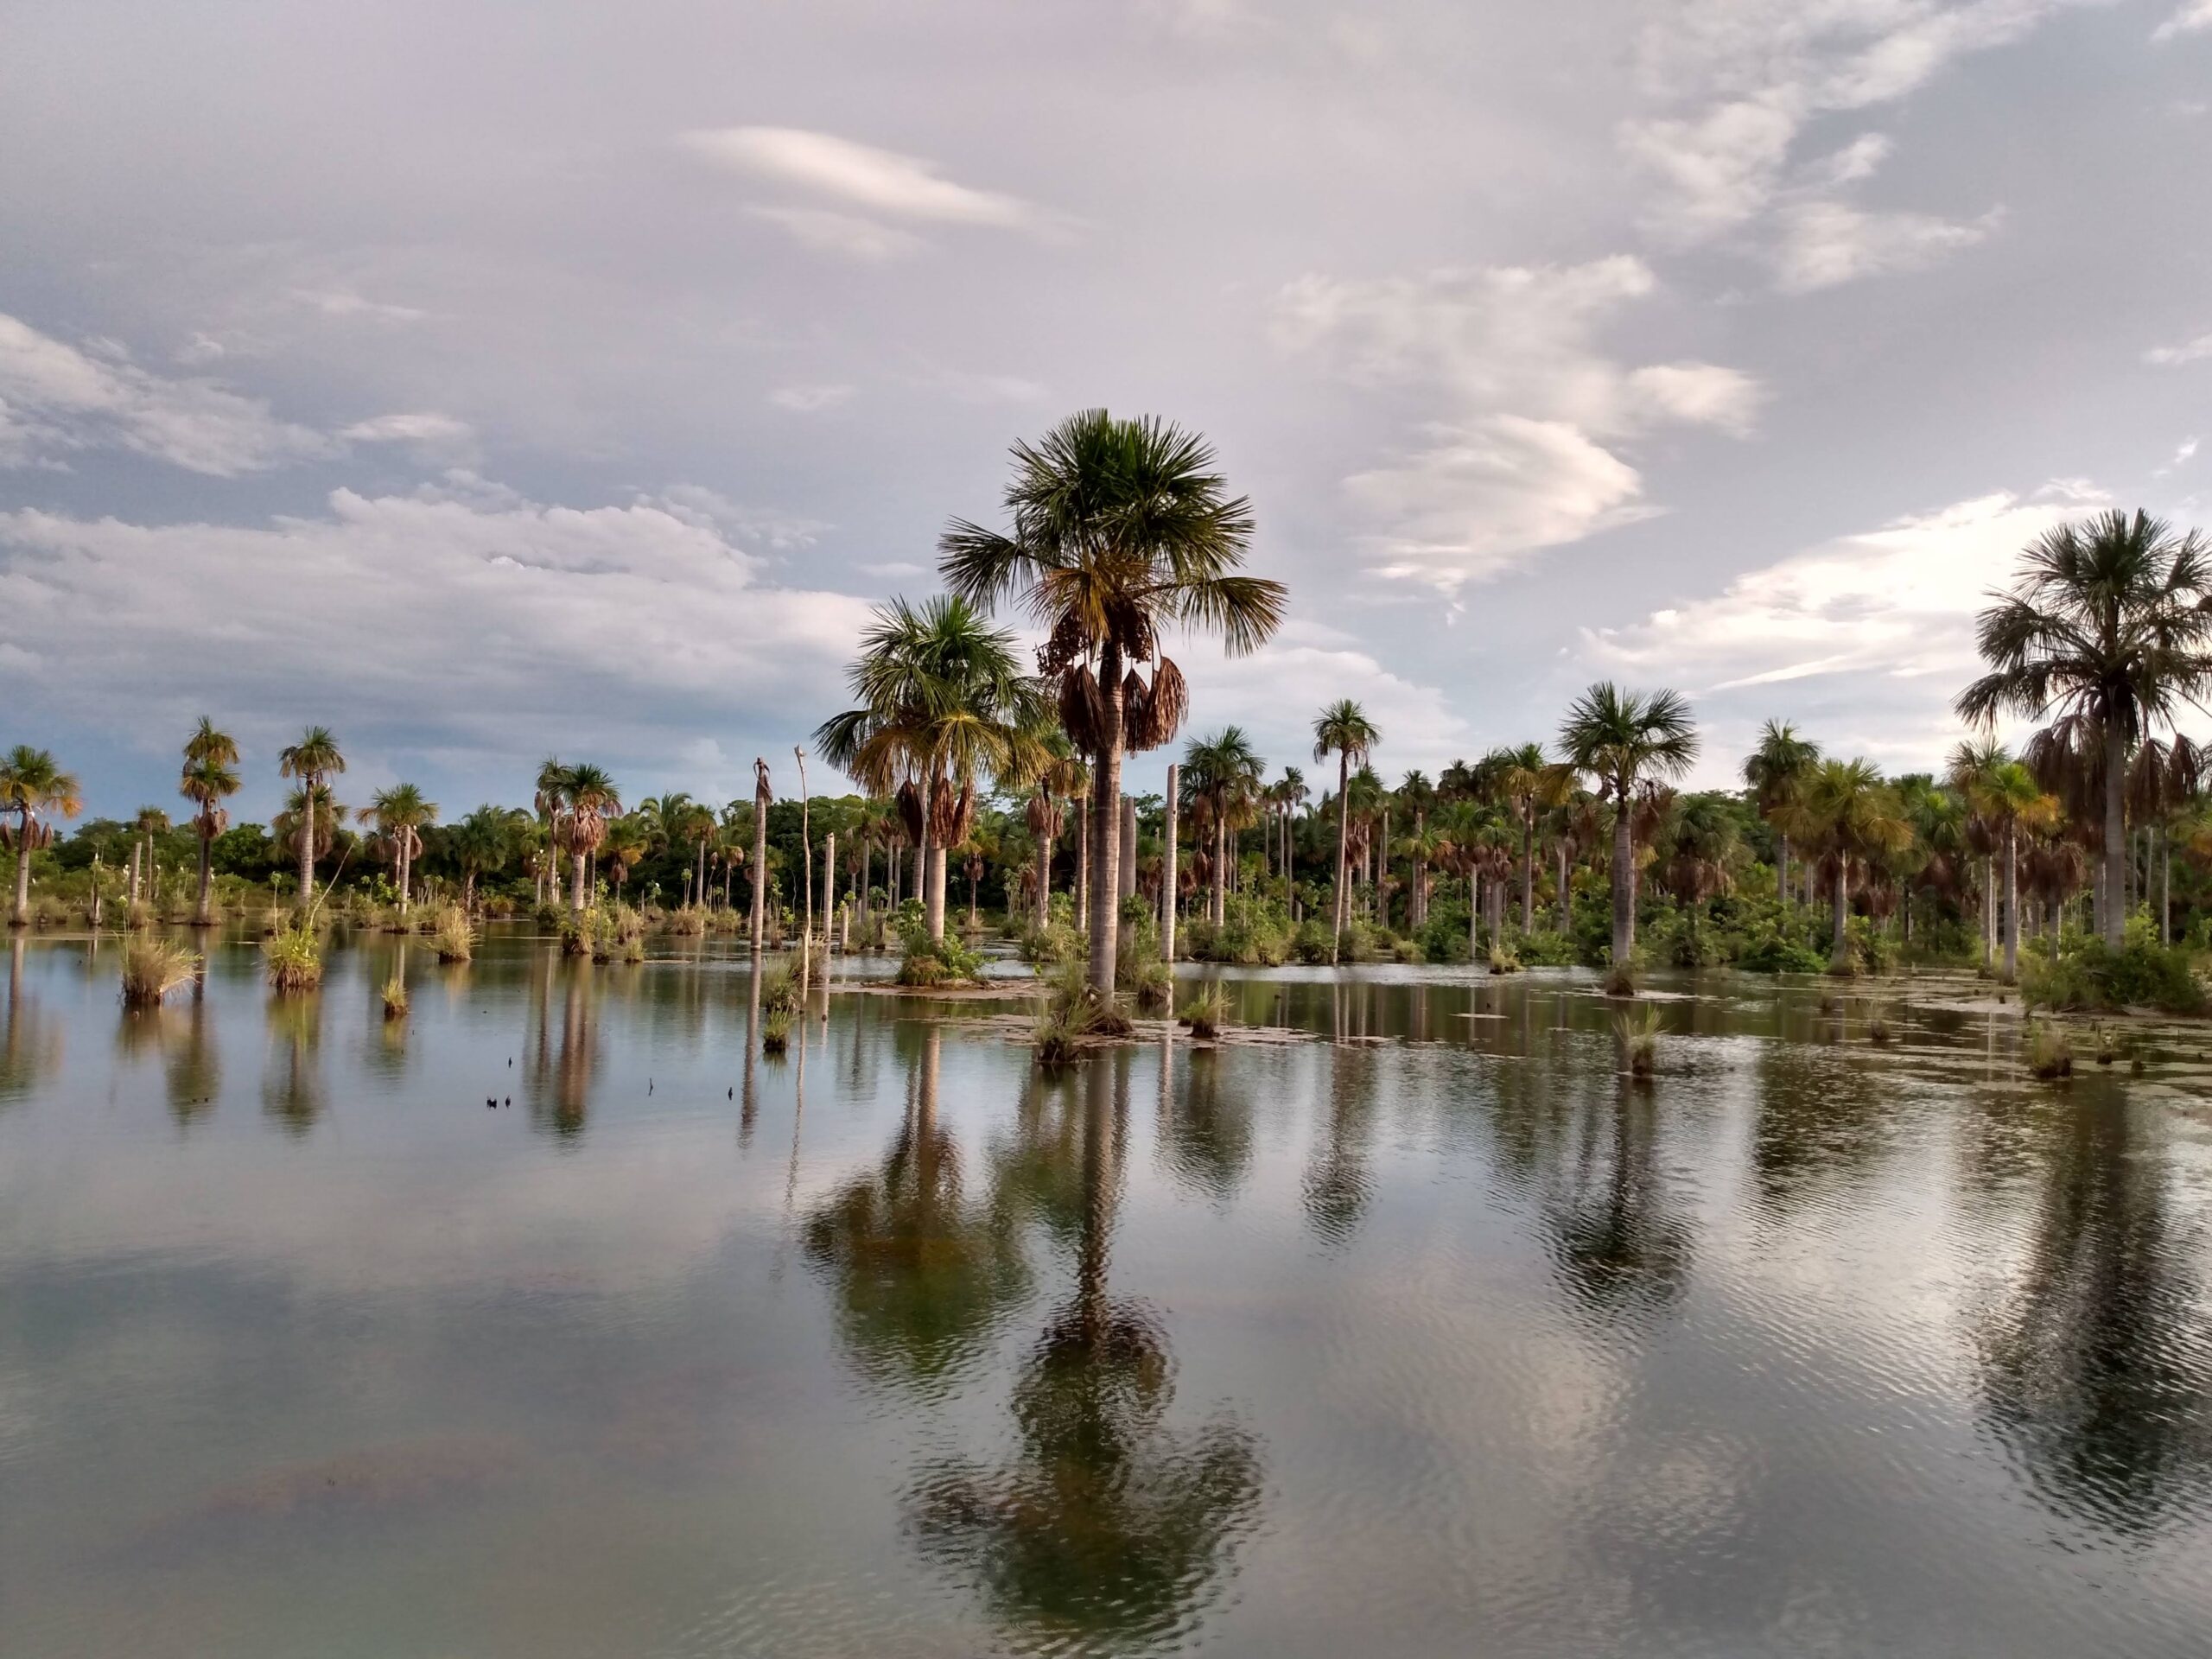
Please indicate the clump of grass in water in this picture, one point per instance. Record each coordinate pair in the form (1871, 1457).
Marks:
(1639, 1035)
(1206, 1012)
(2050, 1051)
(776, 1031)
(293, 959)
(1075, 1012)
(1503, 961)
(779, 990)
(2107, 1046)
(395, 998)
(633, 950)
(153, 968)
(690, 920)
(451, 937)
(1620, 980)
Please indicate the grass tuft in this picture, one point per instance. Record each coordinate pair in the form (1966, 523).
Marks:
(1206, 1011)
(451, 937)
(395, 998)
(153, 968)
(1639, 1036)
(2050, 1051)
(293, 959)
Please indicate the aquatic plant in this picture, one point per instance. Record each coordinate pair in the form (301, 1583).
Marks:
(395, 997)
(690, 921)
(1206, 1011)
(153, 968)
(1639, 1034)
(1503, 960)
(779, 988)
(776, 1031)
(293, 958)
(2049, 1050)
(451, 937)
(1620, 980)
(633, 950)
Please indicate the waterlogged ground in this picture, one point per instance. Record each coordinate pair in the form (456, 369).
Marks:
(1422, 1329)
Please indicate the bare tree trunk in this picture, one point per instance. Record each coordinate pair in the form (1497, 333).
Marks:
(806, 884)
(2165, 887)
(206, 912)
(1106, 785)
(307, 845)
(1840, 950)
(829, 889)
(760, 799)
(1988, 913)
(1217, 910)
(20, 915)
(1343, 846)
(1129, 866)
(1528, 870)
(1624, 882)
(1167, 873)
(2012, 904)
(1781, 874)
(2113, 924)
(1083, 861)
(1566, 896)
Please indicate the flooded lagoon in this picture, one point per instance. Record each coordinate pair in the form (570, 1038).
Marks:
(1424, 1330)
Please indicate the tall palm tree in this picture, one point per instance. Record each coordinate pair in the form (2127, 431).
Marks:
(1972, 776)
(1859, 818)
(210, 776)
(550, 803)
(591, 800)
(481, 842)
(150, 823)
(1289, 792)
(1222, 774)
(1343, 729)
(2107, 623)
(31, 785)
(313, 760)
(311, 819)
(2005, 794)
(1775, 773)
(1119, 527)
(942, 701)
(1527, 781)
(399, 814)
(1625, 740)
(1698, 865)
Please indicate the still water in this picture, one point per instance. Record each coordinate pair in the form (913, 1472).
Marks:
(1423, 1330)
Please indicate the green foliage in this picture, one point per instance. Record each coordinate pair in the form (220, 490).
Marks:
(2088, 974)
(779, 988)
(1254, 932)
(1771, 951)
(776, 1032)
(1139, 970)
(1206, 1011)
(1503, 960)
(932, 962)
(2049, 1050)
(1310, 943)
(153, 968)
(293, 958)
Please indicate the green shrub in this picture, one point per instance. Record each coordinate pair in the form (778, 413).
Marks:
(2091, 976)
(1772, 953)
(1310, 943)
(293, 959)
(929, 961)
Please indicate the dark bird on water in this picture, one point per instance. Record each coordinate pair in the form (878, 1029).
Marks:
(488, 1101)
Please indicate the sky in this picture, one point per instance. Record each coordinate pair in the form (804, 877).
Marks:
(489, 381)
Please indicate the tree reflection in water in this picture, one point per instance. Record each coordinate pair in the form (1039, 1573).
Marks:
(181, 1037)
(922, 1275)
(291, 1082)
(31, 1050)
(1106, 1527)
(2092, 1367)
(1338, 1184)
(561, 1068)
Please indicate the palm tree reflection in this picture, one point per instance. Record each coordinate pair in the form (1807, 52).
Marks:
(29, 1048)
(1105, 1525)
(922, 1274)
(2092, 1367)
(562, 1066)
(1339, 1182)
(1620, 1240)
(291, 1081)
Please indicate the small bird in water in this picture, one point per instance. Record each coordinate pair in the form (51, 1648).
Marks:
(511, 1062)
(509, 1100)
(732, 1092)
(488, 1101)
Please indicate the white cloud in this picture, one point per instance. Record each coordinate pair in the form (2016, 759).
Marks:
(502, 623)
(2190, 351)
(344, 302)
(2184, 452)
(810, 399)
(56, 398)
(1484, 496)
(1519, 460)
(2194, 17)
(1826, 243)
(1859, 159)
(1872, 628)
(1742, 79)
(841, 233)
(426, 429)
(880, 180)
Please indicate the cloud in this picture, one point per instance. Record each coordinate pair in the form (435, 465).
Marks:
(1743, 78)
(841, 233)
(501, 626)
(878, 183)
(2185, 452)
(2190, 351)
(1483, 496)
(1874, 628)
(344, 302)
(2193, 17)
(1826, 243)
(810, 399)
(1520, 457)
(56, 398)
(1859, 159)
(425, 429)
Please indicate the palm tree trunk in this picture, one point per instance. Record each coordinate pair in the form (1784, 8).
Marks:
(934, 898)
(759, 866)
(307, 844)
(20, 915)
(2112, 923)
(205, 914)
(1781, 874)
(2165, 888)
(2012, 904)
(1167, 872)
(1839, 948)
(1343, 844)
(1106, 788)
(1527, 871)
(1218, 910)
(1623, 874)
(1988, 913)
(1082, 860)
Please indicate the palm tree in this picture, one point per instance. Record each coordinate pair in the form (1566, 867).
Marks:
(2005, 794)
(31, 783)
(1859, 816)
(150, 823)
(313, 760)
(624, 849)
(1702, 847)
(481, 841)
(1527, 781)
(1119, 528)
(591, 799)
(1343, 729)
(1222, 775)
(550, 803)
(1623, 740)
(399, 814)
(2106, 623)
(1776, 771)
(210, 776)
(310, 820)
(943, 700)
